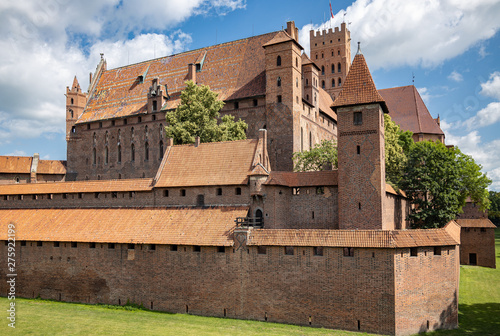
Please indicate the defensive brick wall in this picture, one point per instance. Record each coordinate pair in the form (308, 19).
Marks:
(358, 292)
(478, 241)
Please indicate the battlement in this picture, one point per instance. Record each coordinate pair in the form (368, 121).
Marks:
(326, 33)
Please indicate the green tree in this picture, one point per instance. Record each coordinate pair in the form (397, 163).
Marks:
(397, 144)
(197, 115)
(438, 181)
(494, 213)
(321, 156)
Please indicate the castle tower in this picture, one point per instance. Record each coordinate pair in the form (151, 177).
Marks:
(283, 96)
(310, 73)
(75, 103)
(331, 51)
(361, 173)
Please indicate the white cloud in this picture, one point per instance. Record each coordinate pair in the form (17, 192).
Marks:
(425, 94)
(417, 32)
(492, 87)
(455, 76)
(17, 153)
(486, 154)
(485, 117)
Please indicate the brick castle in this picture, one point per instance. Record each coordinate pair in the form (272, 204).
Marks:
(228, 229)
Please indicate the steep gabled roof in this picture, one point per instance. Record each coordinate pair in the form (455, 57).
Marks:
(408, 110)
(359, 87)
(76, 187)
(325, 103)
(234, 70)
(281, 37)
(215, 163)
(183, 226)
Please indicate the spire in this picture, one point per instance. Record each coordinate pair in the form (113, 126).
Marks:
(359, 87)
(75, 85)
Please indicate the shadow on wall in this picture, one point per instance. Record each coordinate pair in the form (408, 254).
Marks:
(476, 319)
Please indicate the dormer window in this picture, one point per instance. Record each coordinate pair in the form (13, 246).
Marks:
(140, 79)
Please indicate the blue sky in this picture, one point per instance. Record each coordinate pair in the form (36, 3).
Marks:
(452, 47)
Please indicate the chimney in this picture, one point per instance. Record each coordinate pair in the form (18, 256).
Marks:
(196, 141)
(263, 141)
(170, 142)
(292, 30)
(192, 72)
(34, 167)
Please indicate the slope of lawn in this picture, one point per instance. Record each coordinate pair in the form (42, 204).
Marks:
(479, 309)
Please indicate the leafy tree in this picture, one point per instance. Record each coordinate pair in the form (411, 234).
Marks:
(197, 116)
(494, 213)
(319, 157)
(397, 144)
(438, 180)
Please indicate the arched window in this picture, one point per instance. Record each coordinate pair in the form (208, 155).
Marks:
(278, 61)
(322, 55)
(340, 81)
(332, 52)
(71, 113)
(161, 131)
(279, 81)
(339, 68)
(297, 62)
(94, 156)
(301, 139)
(119, 153)
(307, 97)
(333, 82)
(258, 216)
(72, 101)
(146, 151)
(323, 70)
(119, 136)
(132, 133)
(146, 131)
(106, 155)
(338, 52)
(322, 84)
(132, 152)
(333, 68)
(296, 82)
(107, 137)
(94, 139)
(161, 149)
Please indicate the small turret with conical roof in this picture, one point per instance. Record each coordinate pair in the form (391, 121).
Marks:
(360, 111)
(75, 104)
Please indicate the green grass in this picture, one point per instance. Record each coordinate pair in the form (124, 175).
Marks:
(479, 314)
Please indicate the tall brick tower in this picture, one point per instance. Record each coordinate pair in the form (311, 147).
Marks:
(360, 112)
(331, 51)
(283, 96)
(75, 103)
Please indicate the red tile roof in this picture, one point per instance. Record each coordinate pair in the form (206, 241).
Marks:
(325, 103)
(180, 226)
(215, 163)
(408, 110)
(303, 179)
(234, 70)
(76, 187)
(354, 238)
(281, 37)
(359, 87)
(15, 164)
(476, 223)
(51, 167)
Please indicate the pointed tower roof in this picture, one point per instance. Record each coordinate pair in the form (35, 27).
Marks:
(75, 83)
(359, 87)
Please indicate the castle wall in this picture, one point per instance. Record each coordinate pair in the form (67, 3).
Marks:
(478, 241)
(396, 209)
(426, 289)
(301, 208)
(329, 291)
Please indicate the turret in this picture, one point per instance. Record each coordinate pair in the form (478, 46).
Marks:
(75, 104)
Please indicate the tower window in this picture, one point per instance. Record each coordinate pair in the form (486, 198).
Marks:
(340, 81)
(72, 101)
(119, 153)
(358, 150)
(161, 149)
(323, 70)
(106, 155)
(358, 118)
(236, 105)
(94, 156)
(154, 105)
(339, 68)
(255, 102)
(278, 98)
(322, 84)
(146, 151)
(333, 67)
(279, 81)
(278, 61)
(132, 153)
(333, 82)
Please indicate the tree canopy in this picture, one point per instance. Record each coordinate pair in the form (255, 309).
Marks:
(197, 115)
(397, 144)
(494, 213)
(438, 180)
(321, 156)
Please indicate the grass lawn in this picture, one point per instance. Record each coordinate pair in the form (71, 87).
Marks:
(479, 309)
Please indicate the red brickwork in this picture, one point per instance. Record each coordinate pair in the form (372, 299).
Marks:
(477, 246)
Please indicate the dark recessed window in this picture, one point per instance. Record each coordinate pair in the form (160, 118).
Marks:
(152, 247)
(74, 244)
(114, 194)
(238, 191)
(39, 243)
(100, 124)
(111, 246)
(348, 251)
(320, 190)
(437, 250)
(139, 119)
(278, 61)
(131, 246)
(221, 249)
(23, 243)
(183, 192)
(196, 248)
(219, 191)
(255, 102)
(261, 249)
(88, 126)
(358, 118)
(56, 244)
(318, 251)
(64, 196)
(165, 193)
(173, 248)
(92, 245)
(413, 251)
(80, 195)
(236, 105)
(125, 121)
(289, 250)
(278, 98)
(96, 195)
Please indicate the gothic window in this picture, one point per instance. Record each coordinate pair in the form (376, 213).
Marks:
(339, 68)
(316, 56)
(94, 156)
(322, 55)
(333, 68)
(107, 137)
(132, 152)
(310, 140)
(72, 101)
(161, 149)
(132, 134)
(106, 155)
(119, 153)
(94, 139)
(146, 131)
(146, 151)
(279, 81)
(322, 84)
(333, 82)
(332, 52)
(278, 61)
(296, 82)
(340, 81)
(338, 52)
(323, 70)
(161, 131)
(119, 136)
(71, 113)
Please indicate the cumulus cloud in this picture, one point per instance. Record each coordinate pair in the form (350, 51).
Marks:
(44, 44)
(492, 87)
(416, 32)
(425, 94)
(455, 76)
(484, 153)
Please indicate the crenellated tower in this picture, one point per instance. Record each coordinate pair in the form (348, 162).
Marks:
(331, 51)
(361, 151)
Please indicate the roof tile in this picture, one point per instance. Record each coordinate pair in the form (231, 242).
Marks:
(476, 223)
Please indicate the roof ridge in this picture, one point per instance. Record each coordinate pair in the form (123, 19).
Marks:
(215, 142)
